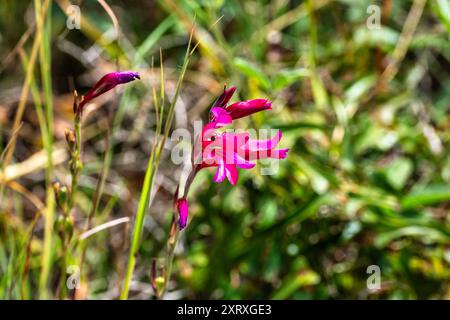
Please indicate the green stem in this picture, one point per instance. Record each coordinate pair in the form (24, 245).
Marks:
(152, 167)
(97, 196)
(64, 264)
(75, 169)
(76, 164)
(138, 226)
(44, 23)
(171, 245)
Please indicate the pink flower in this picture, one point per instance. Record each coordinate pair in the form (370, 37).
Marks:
(106, 83)
(245, 108)
(242, 108)
(221, 117)
(229, 151)
(224, 97)
(182, 208)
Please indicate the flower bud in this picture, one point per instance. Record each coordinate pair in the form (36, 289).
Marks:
(105, 84)
(64, 226)
(70, 139)
(61, 194)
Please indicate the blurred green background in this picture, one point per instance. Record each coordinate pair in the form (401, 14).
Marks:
(364, 109)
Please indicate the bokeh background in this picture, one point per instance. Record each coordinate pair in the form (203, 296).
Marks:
(363, 108)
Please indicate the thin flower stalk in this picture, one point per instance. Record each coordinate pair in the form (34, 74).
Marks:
(66, 199)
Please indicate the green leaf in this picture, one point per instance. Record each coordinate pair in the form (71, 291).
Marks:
(287, 77)
(269, 210)
(304, 278)
(152, 39)
(319, 92)
(429, 195)
(425, 234)
(359, 89)
(398, 172)
(442, 9)
(384, 37)
(252, 72)
(318, 182)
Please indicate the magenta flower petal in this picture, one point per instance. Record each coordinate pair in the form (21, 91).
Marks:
(232, 174)
(220, 173)
(183, 210)
(255, 145)
(223, 99)
(229, 151)
(208, 129)
(243, 163)
(280, 154)
(245, 108)
(106, 83)
(263, 154)
(221, 117)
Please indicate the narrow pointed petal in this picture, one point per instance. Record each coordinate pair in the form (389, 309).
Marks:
(109, 81)
(106, 83)
(221, 117)
(243, 163)
(220, 174)
(224, 97)
(183, 211)
(279, 154)
(264, 154)
(232, 174)
(256, 145)
(245, 108)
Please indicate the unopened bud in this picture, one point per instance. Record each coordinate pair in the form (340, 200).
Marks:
(159, 284)
(64, 227)
(61, 194)
(70, 138)
(75, 101)
(56, 187)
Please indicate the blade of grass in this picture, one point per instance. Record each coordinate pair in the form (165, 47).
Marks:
(152, 38)
(45, 61)
(25, 87)
(8, 146)
(148, 181)
(318, 90)
(103, 226)
(288, 18)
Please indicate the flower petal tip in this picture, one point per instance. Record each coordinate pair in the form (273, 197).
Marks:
(283, 153)
(229, 92)
(181, 224)
(224, 97)
(221, 116)
(183, 210)
(126, 76)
